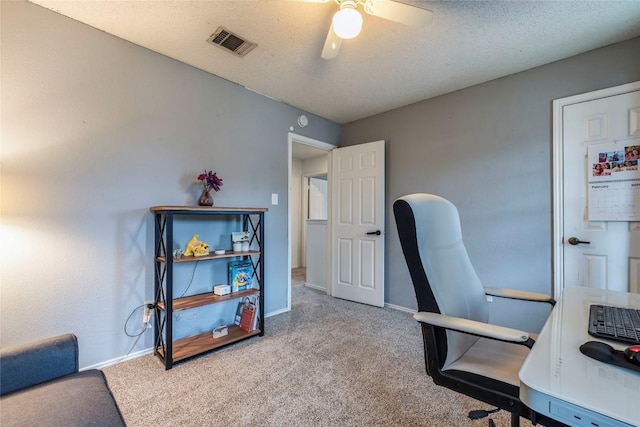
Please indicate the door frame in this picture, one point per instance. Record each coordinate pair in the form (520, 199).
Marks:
(299, 139)
(558, 173)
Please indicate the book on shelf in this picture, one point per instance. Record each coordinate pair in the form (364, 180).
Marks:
(256, 318)
(247, 314)
(240, 275)
(238, 313)
(248, 317)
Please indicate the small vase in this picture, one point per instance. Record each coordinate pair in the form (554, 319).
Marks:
(205, 199)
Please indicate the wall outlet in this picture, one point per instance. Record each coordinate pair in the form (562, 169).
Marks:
(148, 311)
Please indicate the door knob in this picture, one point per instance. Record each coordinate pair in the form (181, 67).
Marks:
(377, 233)
(575, 241)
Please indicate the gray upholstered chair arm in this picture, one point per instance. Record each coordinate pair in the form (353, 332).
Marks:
(35, 363)
(519, 295)
(480, 329)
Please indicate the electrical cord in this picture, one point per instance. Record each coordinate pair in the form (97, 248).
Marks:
(134, 344)
(138, 335)
(193, 273)
(145, 324)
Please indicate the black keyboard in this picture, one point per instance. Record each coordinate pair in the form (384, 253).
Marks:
(615, 323)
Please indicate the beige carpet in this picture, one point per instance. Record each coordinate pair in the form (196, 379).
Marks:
(327, 362)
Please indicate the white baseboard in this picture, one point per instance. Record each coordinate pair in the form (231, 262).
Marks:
(400, 308)
(316, 287)
(275, 313)
(117, 360)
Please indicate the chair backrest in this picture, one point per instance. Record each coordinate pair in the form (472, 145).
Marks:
(443, 277)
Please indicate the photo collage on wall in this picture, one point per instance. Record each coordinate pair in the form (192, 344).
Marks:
(610, 162)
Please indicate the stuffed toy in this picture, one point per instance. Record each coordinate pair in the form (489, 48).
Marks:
(196, 247)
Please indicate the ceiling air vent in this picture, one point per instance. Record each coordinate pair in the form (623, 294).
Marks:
(231, 42)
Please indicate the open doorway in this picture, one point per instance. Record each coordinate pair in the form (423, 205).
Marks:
(315, 225)
(308, 204)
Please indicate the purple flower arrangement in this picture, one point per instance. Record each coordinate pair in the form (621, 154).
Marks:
(210, 181)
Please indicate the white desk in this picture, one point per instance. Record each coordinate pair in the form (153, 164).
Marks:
(558, 381)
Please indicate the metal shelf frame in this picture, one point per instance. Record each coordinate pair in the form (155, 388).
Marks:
(164, 216)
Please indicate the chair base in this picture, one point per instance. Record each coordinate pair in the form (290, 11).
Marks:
(474, 415)
(515, 420)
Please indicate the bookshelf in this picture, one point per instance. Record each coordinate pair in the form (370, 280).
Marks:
(168, 349)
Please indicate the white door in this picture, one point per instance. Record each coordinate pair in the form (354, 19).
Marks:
(357, 223)
(596, 131)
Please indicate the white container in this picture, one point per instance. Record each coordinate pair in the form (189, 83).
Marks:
(237, 246)
(220, 331)
(245, 246)
(222, 289)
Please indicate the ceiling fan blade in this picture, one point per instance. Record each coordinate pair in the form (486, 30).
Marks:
(398, 12)
(331, 45)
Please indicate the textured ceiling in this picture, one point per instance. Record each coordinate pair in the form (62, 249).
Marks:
(388, 66)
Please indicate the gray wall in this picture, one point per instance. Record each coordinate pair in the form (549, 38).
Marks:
(487, 148)
(95, 130)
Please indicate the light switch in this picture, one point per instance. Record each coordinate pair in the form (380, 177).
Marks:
(274, 198)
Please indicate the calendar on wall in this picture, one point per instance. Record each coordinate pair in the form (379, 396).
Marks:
(614, 181)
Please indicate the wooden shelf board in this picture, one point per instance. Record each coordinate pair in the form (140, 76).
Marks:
(228, 254)
(205, 209)
(205, 299)
(191, 346)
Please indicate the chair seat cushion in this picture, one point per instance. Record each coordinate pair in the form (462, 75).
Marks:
(494, 359)
(80, 399)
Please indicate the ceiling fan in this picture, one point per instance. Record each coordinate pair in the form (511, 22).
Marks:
(347, 22)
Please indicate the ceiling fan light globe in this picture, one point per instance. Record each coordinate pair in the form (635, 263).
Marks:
(347, 23)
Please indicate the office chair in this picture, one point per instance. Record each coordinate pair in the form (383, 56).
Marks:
(463, 352)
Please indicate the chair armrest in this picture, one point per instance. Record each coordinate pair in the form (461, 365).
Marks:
(519, 295)
(480, 329)
(34, 363)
